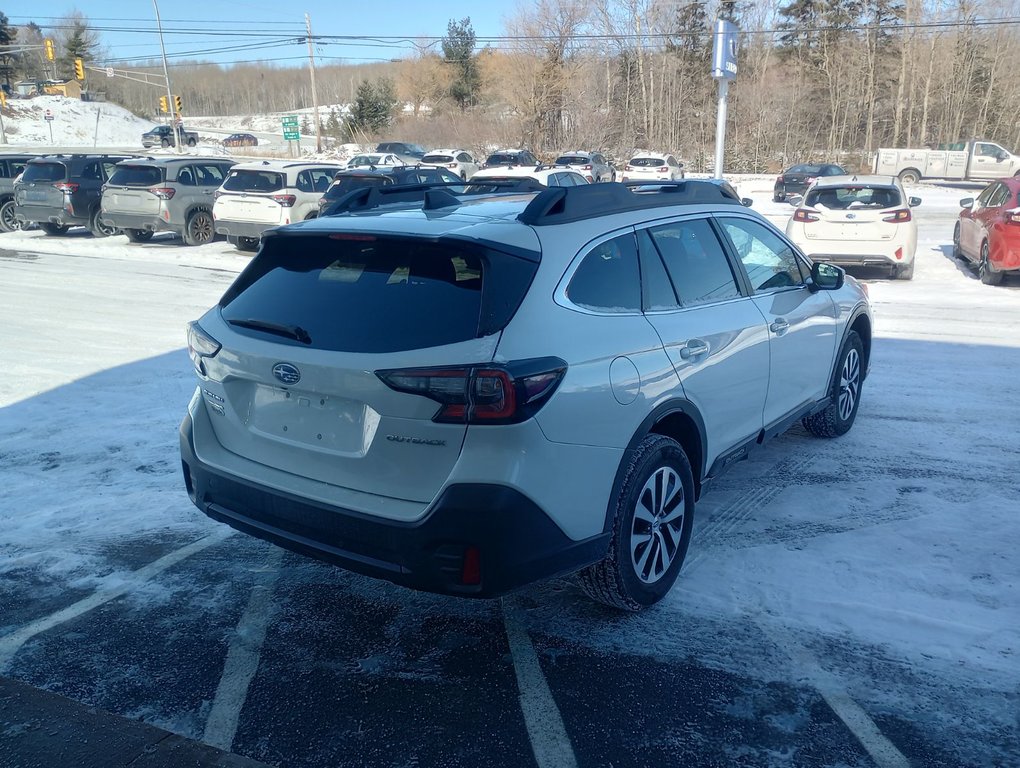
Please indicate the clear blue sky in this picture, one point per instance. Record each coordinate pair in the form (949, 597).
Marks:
(258, 30)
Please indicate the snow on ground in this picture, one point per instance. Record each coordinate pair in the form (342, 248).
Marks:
(899, 538)
(74, 123)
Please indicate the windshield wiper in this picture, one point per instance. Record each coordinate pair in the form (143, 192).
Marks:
(295, 332)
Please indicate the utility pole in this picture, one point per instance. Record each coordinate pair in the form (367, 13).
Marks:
(315, 98)
(166, 74)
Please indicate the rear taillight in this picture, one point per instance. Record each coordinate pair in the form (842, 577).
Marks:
(809, 180)
(780, 179)
(805, 216)
(663, 169)
(66, 186)
(898, 217)
(163, 193)
(451, 165)
(201, 346)
(586, 168)
(627, 168)
(286, 201)
(507, 393)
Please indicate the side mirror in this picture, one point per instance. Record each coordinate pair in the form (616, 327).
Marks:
(967, 202)
(913, 202)
(746, 202)
(827, 277)
(1001, 156)
(795, 200)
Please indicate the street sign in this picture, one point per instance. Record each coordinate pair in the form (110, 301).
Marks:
(109, 71)
(48, 115)
(290, 120)
(724, 50)
(292, 135)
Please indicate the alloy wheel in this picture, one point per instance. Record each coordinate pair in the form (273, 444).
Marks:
(849, 384)
(657, 527)
(9, 222)
(201, 228)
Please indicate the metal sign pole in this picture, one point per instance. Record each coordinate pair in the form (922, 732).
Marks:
(720, 126)
(724, 69)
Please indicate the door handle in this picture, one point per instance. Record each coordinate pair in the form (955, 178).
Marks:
(779, 326)
(694, 348)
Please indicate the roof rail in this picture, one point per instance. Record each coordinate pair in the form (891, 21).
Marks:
(561, 205)
(432, 196)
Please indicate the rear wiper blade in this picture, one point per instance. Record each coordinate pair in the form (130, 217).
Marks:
(295, 332)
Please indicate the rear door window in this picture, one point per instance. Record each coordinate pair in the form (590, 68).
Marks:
(368, 294)
(44, 172)
(137, 176)
(92, 172)
(768, 260)
(254, 181)
(696, 262)
(208, 174)
(608, 279)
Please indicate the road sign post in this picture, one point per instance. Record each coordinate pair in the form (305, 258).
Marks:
(724, 69)
(48, 117)
(291, 132)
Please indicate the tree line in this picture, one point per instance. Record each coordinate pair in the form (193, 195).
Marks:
(817, 79)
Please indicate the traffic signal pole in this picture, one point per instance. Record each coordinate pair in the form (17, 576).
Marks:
(166, 73)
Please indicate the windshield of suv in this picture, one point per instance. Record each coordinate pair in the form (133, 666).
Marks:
(44, 172)
(573, 160)
(254, 181)
(437, 159)
(137, 176)
(646, 162)
(842, 198)
(418, 294)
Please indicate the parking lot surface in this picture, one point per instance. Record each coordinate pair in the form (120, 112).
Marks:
(850, 602)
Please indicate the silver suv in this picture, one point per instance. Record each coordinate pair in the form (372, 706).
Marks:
(166, 194)
(466, 395)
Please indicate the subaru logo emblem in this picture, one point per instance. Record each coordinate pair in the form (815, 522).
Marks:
(851, 215)
(287, 373)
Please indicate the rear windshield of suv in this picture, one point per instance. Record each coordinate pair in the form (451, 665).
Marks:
(44, 172)
(254, 181)
(646, 162)
(137, 176)
(503, 159)
(346, 184)
(437, 159)
(855, 197)
(369, 294)
(573, 160)
(810, 170)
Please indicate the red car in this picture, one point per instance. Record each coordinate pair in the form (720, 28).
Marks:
(988, 232)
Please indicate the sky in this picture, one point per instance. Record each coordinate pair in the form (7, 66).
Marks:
(260, 30)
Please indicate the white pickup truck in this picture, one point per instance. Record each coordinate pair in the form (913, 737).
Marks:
(962, 161)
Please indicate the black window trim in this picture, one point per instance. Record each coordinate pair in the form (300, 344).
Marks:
(802, 261)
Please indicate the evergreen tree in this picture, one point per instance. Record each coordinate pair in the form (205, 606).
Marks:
(80, 42)
(8, 59)
(459, 52)
(373, 106)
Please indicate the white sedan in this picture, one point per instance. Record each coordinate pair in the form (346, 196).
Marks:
(375, 160)
(862, 221)
(547, 175)
(458, 161)
(652, 166)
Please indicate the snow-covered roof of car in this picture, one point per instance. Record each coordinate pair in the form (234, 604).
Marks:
(656, 155)
(444, 152)
(850, 179)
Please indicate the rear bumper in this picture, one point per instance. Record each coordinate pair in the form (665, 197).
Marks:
(47, 214)
(144, 222)
(253, 229)
(783, 189)
(516, 541)
(859, 259)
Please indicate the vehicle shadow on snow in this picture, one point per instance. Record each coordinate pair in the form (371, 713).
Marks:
(969, 269)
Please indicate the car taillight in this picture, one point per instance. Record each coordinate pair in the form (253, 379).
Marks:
(286, 201)
(586, 168)
(805, 216)
(163, 193)
(898, 217)
(505, 393)
(780, 179)
(663, 168)
(627, 168)
(201, 346)
(66, 186)
(451, 165)
(809, 179)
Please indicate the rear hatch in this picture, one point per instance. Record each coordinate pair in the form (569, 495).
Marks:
(326, 312)
(858, 212)
(135, 189)
(650, 167)
(253, 195)
(37, 185)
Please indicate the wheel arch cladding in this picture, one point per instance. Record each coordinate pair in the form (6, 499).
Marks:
(862, 325)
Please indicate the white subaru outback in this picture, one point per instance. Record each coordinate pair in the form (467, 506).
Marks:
(468, 394)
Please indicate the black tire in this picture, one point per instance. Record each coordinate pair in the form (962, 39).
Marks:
(199, 229)
(778, 198)
(957, 251)
(986, 273)
(910, 176)
(905, 272)
(8, 223)
(836, 419)
(617, 580)
(138, 235)
(98, 228)
(192, 142)
(312, 215)
(53, 229)
(246, 243)
(165, 143)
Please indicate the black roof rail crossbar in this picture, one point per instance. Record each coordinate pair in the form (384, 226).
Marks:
(562, 205)
(431, 195)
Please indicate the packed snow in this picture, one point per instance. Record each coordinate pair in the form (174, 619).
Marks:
(75, 122)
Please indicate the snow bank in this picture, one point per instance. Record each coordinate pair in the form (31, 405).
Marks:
(74, 123)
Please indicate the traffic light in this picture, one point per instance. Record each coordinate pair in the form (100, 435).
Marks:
(177, 104)
(79, 69)
(48, 45)
(3, 99)
(163, 106)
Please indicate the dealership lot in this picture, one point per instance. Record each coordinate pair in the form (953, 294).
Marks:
(845, 603)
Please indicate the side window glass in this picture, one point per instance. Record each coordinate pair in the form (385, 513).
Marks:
(428, 176)
(769, 262)
(209, 175)
(987, 150)
(17, 168)
(985, 195)
(607, 279)
(696, 262)
(109, 169)
(92, 172)
(5, 172)
(186, 176)
(999, 196)
(321, 178)
(304, 181)
(657, 294)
